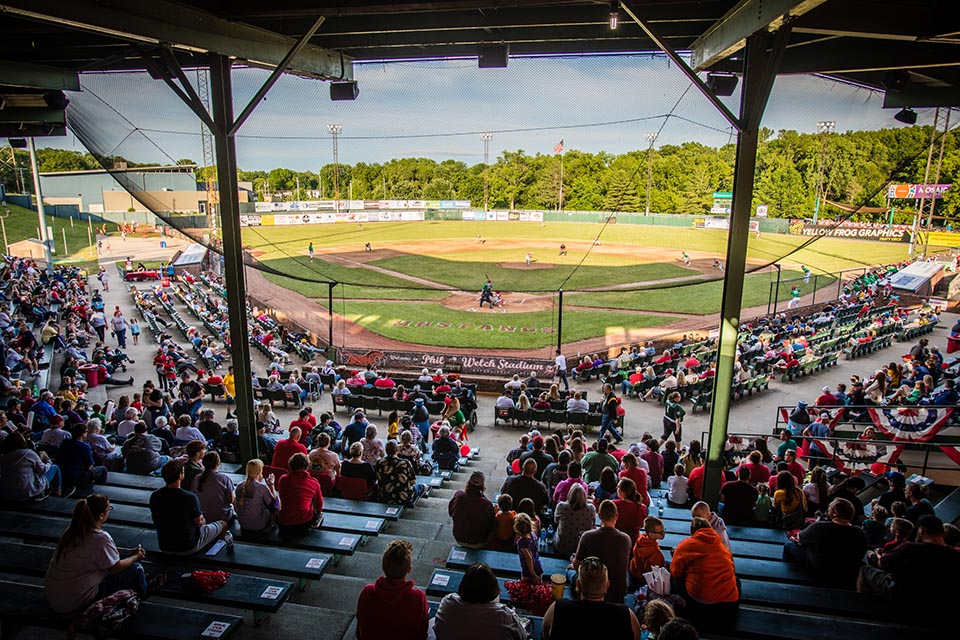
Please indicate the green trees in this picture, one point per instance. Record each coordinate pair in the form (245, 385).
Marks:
(853, 167)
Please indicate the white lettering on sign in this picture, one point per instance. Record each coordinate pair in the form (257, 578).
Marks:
(215, 629)
(272, 593)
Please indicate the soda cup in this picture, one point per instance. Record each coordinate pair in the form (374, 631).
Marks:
(558, 582)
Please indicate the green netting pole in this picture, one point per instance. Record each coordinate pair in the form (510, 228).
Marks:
(221, 93)
(330, 319)
(560, 322)
(759, 73)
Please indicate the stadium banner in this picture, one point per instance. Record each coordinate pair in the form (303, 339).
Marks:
(493, 365)
(882, 233)
(916, 191)
(468, 215)
(724, 223)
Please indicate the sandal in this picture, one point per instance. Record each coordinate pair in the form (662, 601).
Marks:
(155, 584)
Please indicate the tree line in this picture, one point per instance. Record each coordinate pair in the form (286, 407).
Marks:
(852, 167)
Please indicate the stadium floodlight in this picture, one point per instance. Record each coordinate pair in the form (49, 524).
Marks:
(906, 116)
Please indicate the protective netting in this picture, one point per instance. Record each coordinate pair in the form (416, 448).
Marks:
(608, 176)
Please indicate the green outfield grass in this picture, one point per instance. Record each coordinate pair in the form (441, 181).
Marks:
(22, 225)
(824, 255)
(377, 300)
(382, 318)
(703, 298)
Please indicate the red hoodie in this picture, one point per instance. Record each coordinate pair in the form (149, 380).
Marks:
(392, 608)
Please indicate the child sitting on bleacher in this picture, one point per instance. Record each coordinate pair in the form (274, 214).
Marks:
(702, 510)
(527, 548)
(764, 504)
(874, 526)
(902, 530)
(677, 487)
(505, 515)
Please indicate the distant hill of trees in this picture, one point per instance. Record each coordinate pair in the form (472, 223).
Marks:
(857, 166)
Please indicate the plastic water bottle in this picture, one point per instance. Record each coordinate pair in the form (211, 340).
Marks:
(543, 539)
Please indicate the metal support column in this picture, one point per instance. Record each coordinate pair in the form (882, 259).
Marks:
(330, 319)
(762, 57)
(560, 322)
(221, 92)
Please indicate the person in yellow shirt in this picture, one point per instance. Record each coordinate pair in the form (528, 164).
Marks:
(230, 385)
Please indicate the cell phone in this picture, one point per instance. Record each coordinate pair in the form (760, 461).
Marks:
(271, 477)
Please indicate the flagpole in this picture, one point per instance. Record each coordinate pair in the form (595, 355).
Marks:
(560, 203)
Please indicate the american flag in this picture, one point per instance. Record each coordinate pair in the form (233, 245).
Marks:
(559, 147)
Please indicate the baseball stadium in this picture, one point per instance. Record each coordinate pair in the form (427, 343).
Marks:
(525, 319)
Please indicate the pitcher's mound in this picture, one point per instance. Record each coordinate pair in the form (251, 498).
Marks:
(512, 303)
(523, 265)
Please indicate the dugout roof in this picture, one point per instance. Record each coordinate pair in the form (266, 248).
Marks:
(43, 43)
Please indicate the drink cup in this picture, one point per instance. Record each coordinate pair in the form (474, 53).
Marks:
(558, 582)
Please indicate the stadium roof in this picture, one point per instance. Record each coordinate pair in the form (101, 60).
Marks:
(44, 43)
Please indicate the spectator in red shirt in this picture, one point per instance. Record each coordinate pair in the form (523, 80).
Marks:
(286, 448)
(759, 472)
(392, 607)
(826, 399)
(383, 382)
(795, 468)
(301, 503)
(303, 424)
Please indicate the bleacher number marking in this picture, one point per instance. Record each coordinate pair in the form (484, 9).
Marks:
(315, 563)
(392, 511)
(215, 629)
(370, 524)
(272, 593)
(441, 579)
(346, 542)
(458, 555)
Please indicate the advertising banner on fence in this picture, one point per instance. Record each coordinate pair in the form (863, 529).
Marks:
(467, 364)
(724, 223)
(916, 191)
(885, 234)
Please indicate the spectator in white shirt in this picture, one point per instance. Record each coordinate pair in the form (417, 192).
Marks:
(187, 432)
(505, 400)
(125, 426)
(577, 404)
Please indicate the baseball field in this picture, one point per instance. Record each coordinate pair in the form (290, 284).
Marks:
(419, 282)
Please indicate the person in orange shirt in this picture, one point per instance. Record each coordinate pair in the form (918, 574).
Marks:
(646, 550)
(503, 536)
(703, 573)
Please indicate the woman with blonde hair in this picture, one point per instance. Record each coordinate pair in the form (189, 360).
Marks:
(554, 392)
(257, 500)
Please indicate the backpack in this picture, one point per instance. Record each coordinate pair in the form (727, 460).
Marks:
(105, 616)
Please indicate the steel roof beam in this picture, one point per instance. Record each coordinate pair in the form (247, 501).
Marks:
(181, 27)
(37, 76)
(729, 34)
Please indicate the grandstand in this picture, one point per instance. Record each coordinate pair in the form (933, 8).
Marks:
(285, 588)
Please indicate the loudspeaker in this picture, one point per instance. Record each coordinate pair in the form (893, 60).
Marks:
(493, 56)
(722, 84)
(344, 90)
(906, 116)
(18, 143)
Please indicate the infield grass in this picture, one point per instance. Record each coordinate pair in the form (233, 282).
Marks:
(490, 329)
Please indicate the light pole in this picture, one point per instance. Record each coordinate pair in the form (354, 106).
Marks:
(824, 128)
(41, 214)
(335, 130)
(651, 137)
(486, 137)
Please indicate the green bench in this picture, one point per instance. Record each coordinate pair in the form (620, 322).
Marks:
(26, 604)
(262, 596)
(444, 581)
(293, 563)
(336, 543)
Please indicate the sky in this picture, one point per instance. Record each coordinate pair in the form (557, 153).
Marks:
(438, 110)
